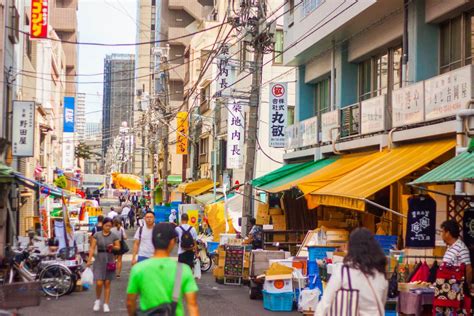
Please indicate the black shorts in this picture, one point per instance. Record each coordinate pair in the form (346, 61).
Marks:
(187, 257)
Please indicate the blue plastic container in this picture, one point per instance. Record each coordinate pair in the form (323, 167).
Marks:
(387, 242)
(212, 246)
(318, 253)
(313, 268)
(278, 302)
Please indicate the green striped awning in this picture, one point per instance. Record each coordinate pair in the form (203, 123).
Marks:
(457, 169)
(279, 173)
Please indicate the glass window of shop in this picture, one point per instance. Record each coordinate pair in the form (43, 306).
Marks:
(380, 74)
(456, 42)
(322, 97)
(278, 48)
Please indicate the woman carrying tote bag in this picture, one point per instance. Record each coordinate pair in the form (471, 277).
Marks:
(359, 287)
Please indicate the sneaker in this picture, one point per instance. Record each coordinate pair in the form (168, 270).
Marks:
(106, 308)
(96, 307)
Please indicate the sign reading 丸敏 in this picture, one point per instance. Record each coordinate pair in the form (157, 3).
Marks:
(23, 126)
(235, 135)
(329, 126)
(372, 118)
(181, 133)
(68, 114)
(448, 93)
(278, 114)
(408, 105)
(39, 19)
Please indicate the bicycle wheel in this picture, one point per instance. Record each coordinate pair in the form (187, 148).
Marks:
(206, 262)
(56, 280)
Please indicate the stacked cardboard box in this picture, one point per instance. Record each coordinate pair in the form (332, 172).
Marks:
(279, 222)
(263, 216)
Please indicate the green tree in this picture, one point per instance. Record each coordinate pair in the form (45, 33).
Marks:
(83, 151)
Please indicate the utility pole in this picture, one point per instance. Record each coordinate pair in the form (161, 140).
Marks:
(261, 39)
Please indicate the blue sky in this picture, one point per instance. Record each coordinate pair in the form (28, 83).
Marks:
(104, 21)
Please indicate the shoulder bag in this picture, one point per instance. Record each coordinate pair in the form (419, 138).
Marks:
(123, 244)
(167, 309)
(346, 301)
(375, 296)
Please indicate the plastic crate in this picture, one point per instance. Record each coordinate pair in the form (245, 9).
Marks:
(278, 302)
(313, 268)
(390, 313)
(318, 253)
(387, 242)
(212, 246)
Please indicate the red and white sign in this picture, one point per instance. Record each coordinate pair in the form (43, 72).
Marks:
(39, 19)
(278, 108)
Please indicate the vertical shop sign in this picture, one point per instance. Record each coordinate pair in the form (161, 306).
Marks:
(372, 115)
(43, 213)
(23, 137)
(68, 114)
(68, 151)
(448, 93)
(278, 114)
(182, 133)
(225, 70)
(39, 19)
(421, 222)
(408, 105)
(235, 135)
(468, 228)
(329, 126)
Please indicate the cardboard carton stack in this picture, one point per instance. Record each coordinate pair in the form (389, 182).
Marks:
(263, 216)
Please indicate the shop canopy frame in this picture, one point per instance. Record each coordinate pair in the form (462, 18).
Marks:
(193, 186)
(353, 190)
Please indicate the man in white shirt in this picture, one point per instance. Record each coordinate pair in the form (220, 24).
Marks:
(124, 215)
(143, 246)
(172, 217)
(187, 241)
(112, 213)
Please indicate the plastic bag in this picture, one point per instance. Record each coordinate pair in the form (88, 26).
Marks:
(308, 300)
(197, 269)
(87, 277)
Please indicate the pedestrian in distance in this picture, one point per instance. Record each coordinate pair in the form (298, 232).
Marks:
(161, 282)
(124, 214)
(143, 245)
(119, 231)
(134, 199)
(112, 213)
(104, 267)
(131, 217)
(139, 216)
(362, 275)
(187, 237)
(172, 218)
(98, 226)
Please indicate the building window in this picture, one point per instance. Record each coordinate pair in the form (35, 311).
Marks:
(204, 57)
(322, 97)
(14, 31)
(380, 74)
(205, 96)
(311, 5)
(278, 48)
(203, 150)
(291, 115)
(28, 42)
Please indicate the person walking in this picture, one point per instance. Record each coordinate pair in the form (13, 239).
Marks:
(98, 226)
(143, 245)
(119, 231)
(363, 271)
(134, 199)
(112, 213)
(104, 267)
(187, 241)
(124, 214)
(172, 218)
(131, 217)
(161, 282)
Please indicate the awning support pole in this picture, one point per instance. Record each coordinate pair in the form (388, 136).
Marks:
(384, 208)
(429, 190)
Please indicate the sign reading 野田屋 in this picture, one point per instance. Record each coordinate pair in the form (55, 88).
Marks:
(448, 93)
(68, 115)
(278, 114)
(68, 151)
(372, 117)
(181, 133)
(39, 19)
(329, 126)
(408, 105)
(235, 135)
(23, 126)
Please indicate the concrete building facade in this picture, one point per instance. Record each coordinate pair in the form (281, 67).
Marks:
(80, 116)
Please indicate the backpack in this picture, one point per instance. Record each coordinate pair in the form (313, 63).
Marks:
(187, 239)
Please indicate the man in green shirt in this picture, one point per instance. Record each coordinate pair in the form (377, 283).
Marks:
(153, 279)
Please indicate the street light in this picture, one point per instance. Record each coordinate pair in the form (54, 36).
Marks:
(214, 151)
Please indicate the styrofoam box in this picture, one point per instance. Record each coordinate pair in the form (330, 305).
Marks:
(285, 262)
(224, 238)
(278, 283)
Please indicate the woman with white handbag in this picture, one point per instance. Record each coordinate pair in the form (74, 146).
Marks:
(358, 287)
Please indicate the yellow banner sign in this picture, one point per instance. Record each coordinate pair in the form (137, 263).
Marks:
(182, 133)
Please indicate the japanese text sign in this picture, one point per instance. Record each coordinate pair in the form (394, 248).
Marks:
(23, 137)
(235, 135)
(372, 118)
(329, 126)
(181, 133)
(68, 151)
(408, 105)
(278, 114)
(224, 72)
(39, 19)
(68, 114)
(448, 93)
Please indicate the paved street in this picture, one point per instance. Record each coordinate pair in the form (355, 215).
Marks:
(214, 299)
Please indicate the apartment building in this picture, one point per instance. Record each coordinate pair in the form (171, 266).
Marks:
(378, 75)
(80, 116)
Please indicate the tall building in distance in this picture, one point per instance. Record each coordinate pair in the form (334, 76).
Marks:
(93, 130)
(118, 96)
(80, 116)
(64, 21)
